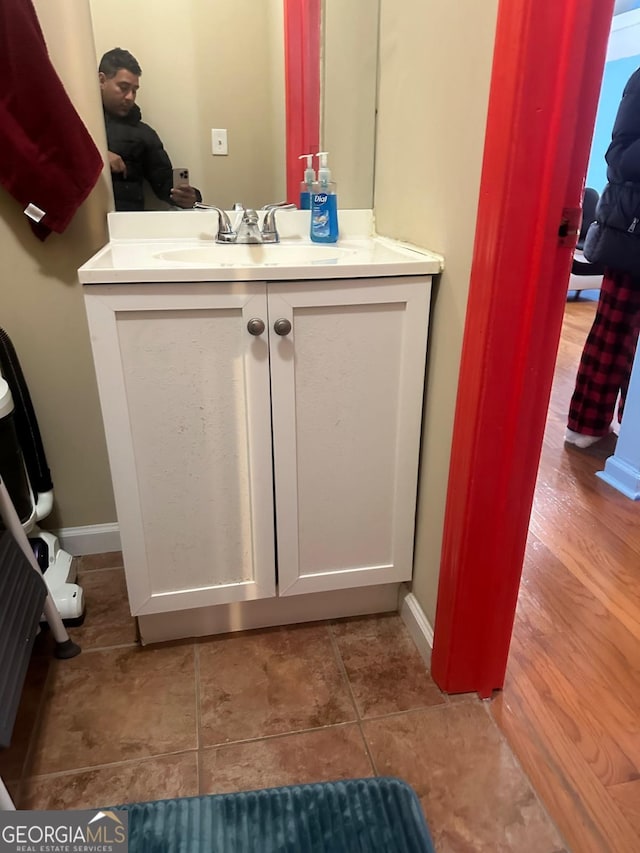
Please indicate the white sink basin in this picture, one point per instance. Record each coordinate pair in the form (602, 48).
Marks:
(260, 254)
(157, 247)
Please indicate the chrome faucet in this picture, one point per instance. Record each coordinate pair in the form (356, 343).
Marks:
(245, 229)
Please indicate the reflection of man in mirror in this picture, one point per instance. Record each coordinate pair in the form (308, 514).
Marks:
(136, 152)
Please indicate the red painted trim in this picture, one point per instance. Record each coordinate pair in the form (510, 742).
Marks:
(302, 31)
(540, 121)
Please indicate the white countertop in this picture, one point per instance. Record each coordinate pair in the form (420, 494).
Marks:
(181, 247)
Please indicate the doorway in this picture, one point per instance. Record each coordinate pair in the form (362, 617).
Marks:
(539, 128)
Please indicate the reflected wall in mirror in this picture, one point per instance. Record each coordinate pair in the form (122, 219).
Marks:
(217, 64)
(349, 89)
(208, 65)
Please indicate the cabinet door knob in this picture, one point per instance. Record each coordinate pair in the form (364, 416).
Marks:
(255, 326)
(282, 326)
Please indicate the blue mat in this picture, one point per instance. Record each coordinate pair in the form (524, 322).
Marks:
(380, 815)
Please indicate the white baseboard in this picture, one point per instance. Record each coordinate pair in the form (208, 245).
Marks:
(417, 623)
(92, 539)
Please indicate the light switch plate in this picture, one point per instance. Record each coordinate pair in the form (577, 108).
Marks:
(219, 141)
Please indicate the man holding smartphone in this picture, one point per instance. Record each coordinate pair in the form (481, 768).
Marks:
(136, 152)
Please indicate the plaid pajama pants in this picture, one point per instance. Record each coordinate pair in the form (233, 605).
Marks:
(607, 358)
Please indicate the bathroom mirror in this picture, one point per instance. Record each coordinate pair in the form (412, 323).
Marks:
(211, 64)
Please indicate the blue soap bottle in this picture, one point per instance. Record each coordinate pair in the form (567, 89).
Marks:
(324, 205)
(306, 186)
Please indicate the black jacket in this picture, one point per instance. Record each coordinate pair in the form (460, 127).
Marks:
(614, 238)
(144, 156)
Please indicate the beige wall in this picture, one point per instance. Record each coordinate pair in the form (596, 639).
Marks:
(42, 308)
(209, 64)
(349, 81)
(434, 82)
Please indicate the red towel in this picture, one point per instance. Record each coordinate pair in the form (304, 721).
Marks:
(48, 160)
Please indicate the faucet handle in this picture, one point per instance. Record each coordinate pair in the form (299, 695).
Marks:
(274, 204)
(226, 234)
(269, 230)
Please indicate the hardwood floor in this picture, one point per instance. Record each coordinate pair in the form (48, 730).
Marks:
(570, 708)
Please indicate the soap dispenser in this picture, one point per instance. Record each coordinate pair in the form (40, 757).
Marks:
(324, 205)
(306, 185)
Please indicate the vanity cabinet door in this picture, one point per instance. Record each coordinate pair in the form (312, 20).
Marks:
(184, 388)
(347, 386)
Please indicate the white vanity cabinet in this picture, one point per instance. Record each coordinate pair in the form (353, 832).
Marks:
(228, 448)
(184, 390)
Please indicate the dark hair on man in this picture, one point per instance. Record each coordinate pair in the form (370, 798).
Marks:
(115, 59)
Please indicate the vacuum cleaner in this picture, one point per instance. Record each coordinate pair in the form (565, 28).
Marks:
(23, 467)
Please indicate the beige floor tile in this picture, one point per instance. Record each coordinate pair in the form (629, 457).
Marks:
(108, 620)
(474, 795)
(333, 753)
(128, 707)
(455, 698)
(117, 705)
(108, 560)
(383, 665)
(270, 682)
(153, 779)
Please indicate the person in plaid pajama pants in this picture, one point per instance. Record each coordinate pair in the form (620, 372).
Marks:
(614, 242)
(607, 359)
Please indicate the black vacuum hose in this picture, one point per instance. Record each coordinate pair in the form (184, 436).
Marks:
(25, 418)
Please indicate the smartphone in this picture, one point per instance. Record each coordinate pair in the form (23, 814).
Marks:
(180, 177)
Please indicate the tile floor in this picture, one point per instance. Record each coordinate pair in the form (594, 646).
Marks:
(281, 706)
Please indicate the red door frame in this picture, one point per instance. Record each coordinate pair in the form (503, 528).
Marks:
(546, 78)
(302, 33)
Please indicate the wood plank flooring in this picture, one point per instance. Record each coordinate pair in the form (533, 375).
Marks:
(570, 708)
